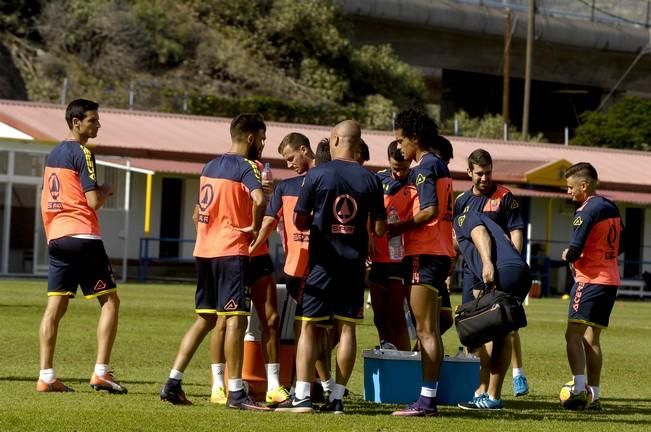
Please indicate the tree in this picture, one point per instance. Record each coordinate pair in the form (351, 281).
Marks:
(280, 53)
(627, 124)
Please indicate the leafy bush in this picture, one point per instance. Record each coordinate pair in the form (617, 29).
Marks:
(627, 124)
(490, 126)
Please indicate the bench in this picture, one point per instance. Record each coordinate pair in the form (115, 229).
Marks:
(633, 287)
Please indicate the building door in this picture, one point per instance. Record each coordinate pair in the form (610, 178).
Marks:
(170, 222)
(633, 246)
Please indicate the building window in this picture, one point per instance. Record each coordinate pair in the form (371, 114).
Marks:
(28, 164)
(114, 177)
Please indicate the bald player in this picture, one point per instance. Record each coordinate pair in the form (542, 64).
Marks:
(335, 203)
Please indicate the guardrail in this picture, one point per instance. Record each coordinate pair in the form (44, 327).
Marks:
(145, 258)
(628, 12)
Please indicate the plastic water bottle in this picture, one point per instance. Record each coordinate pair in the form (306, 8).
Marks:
(396, 248)
(460, 353)
(266, 174)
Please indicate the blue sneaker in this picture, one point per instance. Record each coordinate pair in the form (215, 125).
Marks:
(485, 404)
(475, 399)
(520, 385)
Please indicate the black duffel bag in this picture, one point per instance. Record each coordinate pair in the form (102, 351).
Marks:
(492, 315)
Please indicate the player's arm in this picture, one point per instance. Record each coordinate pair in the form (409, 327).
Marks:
(97, 197)
(517, 238)
(303, 211)
(482, 241)
(423, 216)
(259, 203)
(268, 224)
(582, 225)
(195, 218)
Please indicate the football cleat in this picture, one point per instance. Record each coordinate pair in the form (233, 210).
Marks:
(423, 407)
(108, 383)
(277, 395)
(218, 396)
(241, 400)
(334, 406)
(576, 401)
(54, 386)
(293, 405)
(173, 393)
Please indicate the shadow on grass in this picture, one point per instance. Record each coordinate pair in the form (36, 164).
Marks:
(26, 306)
(524, 410)
(68, 380)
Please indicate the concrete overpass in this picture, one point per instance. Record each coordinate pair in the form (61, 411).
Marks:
(459, 46)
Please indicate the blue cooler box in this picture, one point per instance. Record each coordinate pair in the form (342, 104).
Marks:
(392, 376)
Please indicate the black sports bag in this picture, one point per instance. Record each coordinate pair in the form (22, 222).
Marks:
(494, 314)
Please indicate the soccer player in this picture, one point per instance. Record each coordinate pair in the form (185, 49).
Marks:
(262, 285)
(498, 203)
(295, 149)
(335, 203)
(229, 208)
(428, 248)
(69, 202)
(491, 257)
(593, 250)
(386, 279)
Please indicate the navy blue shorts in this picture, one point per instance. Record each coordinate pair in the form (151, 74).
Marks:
(221, 286)
(430, 271)
(336, 291)
(591, 304)
(77, 262)
(383, 271)
(258, 267)
(512, 279)
(295, 286)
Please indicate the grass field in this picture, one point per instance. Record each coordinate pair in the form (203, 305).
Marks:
(154, 317)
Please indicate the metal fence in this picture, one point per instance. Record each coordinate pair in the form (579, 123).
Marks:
(625, 12)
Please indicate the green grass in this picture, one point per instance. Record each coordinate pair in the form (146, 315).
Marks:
(154, 317)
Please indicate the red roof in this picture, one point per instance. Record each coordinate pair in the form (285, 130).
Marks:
(161, 136)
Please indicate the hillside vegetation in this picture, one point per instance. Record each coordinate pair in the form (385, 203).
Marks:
(292, 60)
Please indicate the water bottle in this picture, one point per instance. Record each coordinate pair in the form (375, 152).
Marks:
(460, 353)
(396, 249)
(266, 174)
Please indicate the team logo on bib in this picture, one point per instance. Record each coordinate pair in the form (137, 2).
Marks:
(344, 208)
(206, 195)
(460, 220)
(54, 185)
(420, 179)
(577, 221)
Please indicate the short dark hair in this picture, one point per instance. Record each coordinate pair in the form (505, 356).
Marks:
(584, 170)
(322, 153)
(78, 108)
(444, 148)
(479, 157)
(246, 123)
(417, 124)
(394, 153)
(294, 140)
